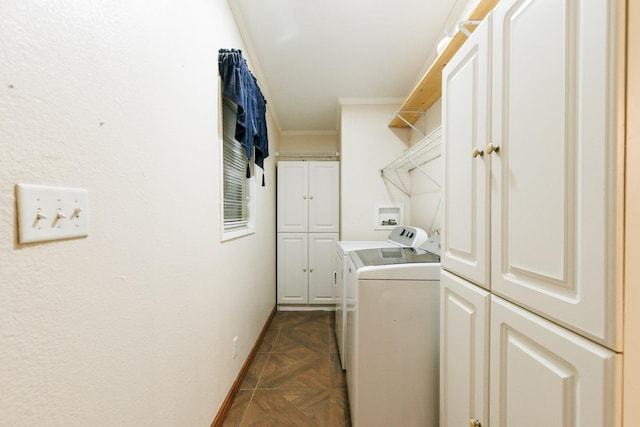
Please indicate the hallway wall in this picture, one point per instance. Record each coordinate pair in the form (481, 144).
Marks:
(133, 325)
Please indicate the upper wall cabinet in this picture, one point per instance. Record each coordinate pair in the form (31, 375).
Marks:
(466, 128)
(554, 152)
(308, 197)
(557, 178)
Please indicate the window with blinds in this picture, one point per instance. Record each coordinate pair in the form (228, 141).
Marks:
(236, 185)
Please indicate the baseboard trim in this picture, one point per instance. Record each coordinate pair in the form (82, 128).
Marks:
(228, 401)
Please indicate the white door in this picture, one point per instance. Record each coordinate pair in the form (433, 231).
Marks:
(292, 205)
(466, 126)
(545, 375)
(293, 276)
(324, 198)
(322, 250)
(555, 214)
(464, 352)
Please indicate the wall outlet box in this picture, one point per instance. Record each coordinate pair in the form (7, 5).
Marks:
(51, 213)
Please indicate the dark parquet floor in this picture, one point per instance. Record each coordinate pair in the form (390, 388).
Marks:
(295, 379)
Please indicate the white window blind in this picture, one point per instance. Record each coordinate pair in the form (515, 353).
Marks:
(236, 194)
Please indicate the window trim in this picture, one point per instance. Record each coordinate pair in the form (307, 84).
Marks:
(249, 228)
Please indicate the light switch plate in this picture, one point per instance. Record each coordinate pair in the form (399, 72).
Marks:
(51, 213)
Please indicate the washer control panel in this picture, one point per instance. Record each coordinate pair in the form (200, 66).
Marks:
(405, 235)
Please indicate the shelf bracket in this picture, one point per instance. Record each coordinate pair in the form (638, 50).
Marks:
(398, 114)
(419, 168)
(400, 185)
(461, 26)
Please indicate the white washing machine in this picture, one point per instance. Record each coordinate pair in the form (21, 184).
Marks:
(406, 236)
(393, 335)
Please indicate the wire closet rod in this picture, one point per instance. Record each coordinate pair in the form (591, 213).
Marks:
(309, 154)
(421, 153)
(425, 151)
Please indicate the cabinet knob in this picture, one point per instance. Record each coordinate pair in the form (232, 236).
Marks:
(311, 197)
(304, 197)
(304, 270)
(491, 148)
(474, 423)
(311, 270)
(477, 152)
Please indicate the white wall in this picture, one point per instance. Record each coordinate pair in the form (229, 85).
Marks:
(133, 325)
(367, 145)
(426, 197)
(297, 142)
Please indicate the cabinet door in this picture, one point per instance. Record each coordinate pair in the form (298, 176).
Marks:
(464, 352)
(324, 197)
(545, 375)
(293, 206)
(292, 276)
(556, 205)
(465, 118)
(322, 250)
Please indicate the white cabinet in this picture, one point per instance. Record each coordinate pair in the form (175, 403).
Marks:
(322, 275)
(556, 209)
(307, 224)
(552, 152)
(293, 197)
(540, 373)
(465, 128)
(545, 375)
(308, 197)
(305, 270)
(292, 268)
(464, 345)
(533, 209)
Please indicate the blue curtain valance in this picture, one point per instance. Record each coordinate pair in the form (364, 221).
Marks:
(241, 87)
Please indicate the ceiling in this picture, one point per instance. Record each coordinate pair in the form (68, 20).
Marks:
(307, 54)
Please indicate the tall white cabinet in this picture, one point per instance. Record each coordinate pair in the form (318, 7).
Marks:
(532, 227)
(307, 226)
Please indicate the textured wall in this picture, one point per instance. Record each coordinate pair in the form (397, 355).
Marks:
(133, 325)
(426, 198)
(297, 142)
(366, 146)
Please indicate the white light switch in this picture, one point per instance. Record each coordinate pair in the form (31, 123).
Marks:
(51, 213)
